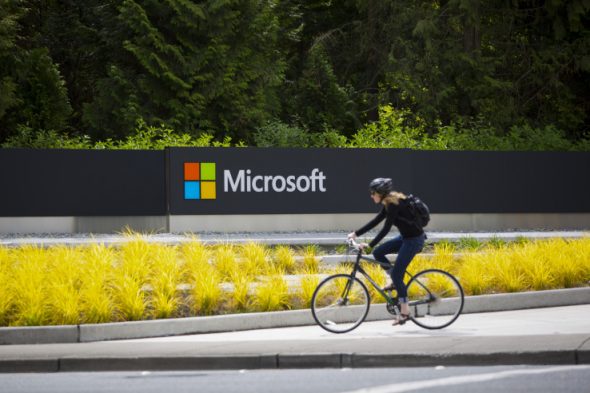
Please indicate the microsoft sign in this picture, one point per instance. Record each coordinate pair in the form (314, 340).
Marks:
(245, 181)
(213, 181)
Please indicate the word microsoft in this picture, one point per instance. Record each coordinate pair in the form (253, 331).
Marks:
(244, 181)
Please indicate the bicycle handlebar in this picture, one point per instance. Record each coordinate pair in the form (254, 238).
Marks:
(353, 244)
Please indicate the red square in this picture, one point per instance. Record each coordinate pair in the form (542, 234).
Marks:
(191, 171)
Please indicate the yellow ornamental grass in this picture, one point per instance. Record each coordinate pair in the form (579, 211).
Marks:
(272, 294)
(255, 259)
(140, 280)
(539, 272)
(421, 262)
(475, 273)
(206, 292)
(566, 260)
(225, 260)
(29, 285)
(6, 292)
(130, 298)
(444, 257)
(96, 292)
(379, 276)
(311, 261)
(308, 284)
(136, 258)
(64, 265)
(283, 260)
(165, 277)
(508, 271)
(131, 278)
(240, 296)
(581, 254)
(194, 254)
(536, 267)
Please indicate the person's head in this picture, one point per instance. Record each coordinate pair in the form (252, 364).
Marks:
(380, 188)
(382, 191)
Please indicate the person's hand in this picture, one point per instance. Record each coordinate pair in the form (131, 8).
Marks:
(362, 246)
(351, 235)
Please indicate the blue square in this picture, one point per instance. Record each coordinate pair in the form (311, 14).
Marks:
(192, 190)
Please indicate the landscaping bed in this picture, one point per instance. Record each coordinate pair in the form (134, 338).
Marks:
(140, 280)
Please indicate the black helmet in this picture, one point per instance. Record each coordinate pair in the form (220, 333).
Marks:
(381, 185)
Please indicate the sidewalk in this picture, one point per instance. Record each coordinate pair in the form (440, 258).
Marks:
(559, 335)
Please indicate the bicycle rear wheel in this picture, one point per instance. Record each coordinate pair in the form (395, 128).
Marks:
(436, 299)
(340, 303)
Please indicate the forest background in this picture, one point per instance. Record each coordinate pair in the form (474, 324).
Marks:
(448, 74)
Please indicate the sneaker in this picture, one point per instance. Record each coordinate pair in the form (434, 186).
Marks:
(388, 285)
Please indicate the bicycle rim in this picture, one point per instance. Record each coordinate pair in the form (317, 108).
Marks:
(436, 299)
(340, 303)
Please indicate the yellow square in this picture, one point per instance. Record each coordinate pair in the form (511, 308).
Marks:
(208, 190)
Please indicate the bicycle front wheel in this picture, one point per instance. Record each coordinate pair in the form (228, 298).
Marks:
(436, 299)
(340, 303)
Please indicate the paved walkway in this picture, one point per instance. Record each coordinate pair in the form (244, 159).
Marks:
(559, 335)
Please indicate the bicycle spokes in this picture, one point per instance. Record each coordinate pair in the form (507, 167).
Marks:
(340, 303)
(436, 298)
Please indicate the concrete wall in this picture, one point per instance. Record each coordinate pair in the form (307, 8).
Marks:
(285, 222)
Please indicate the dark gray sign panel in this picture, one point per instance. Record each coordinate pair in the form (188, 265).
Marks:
(257, 181)
(274, 180)
(82, 183)
(186, 181)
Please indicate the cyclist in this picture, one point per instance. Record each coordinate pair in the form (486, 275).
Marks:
(409, 243)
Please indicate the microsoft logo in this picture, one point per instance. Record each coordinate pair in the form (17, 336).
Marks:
(199, 180)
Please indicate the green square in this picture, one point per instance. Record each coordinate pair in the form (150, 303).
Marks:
(207, 171)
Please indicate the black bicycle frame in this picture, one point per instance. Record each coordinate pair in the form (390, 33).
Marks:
(358, 268)
(391, 300)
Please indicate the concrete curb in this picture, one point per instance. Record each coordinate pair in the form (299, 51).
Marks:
(290, 361)
(251, 321)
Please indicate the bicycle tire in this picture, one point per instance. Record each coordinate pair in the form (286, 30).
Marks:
(436, 299)
(334, 314)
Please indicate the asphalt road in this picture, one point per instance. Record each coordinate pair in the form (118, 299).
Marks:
(439, 379)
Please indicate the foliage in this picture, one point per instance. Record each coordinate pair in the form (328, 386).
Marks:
(144, 137)
(272, 294)
(311, 263)
(255, 259)
(453, 74)
(278, 134)
(395, 129)
(188, 65)
(283, 260)
(141, 280)
(32, 90)
(400, 128)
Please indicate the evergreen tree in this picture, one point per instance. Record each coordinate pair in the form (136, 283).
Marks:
(33, 93)
(314, 96)
(504, 63)
(209, 65)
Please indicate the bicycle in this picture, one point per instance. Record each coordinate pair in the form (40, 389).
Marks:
(341, 302)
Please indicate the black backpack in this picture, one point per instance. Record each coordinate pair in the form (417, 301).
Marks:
(418, 210)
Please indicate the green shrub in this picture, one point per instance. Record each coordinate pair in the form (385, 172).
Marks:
(400, 128)
(144, 137)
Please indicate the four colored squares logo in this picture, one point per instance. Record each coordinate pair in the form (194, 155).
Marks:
(199, 180)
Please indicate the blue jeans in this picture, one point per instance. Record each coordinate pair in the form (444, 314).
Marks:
(406, 249)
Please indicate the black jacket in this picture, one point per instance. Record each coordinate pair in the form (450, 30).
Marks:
(398, 215)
